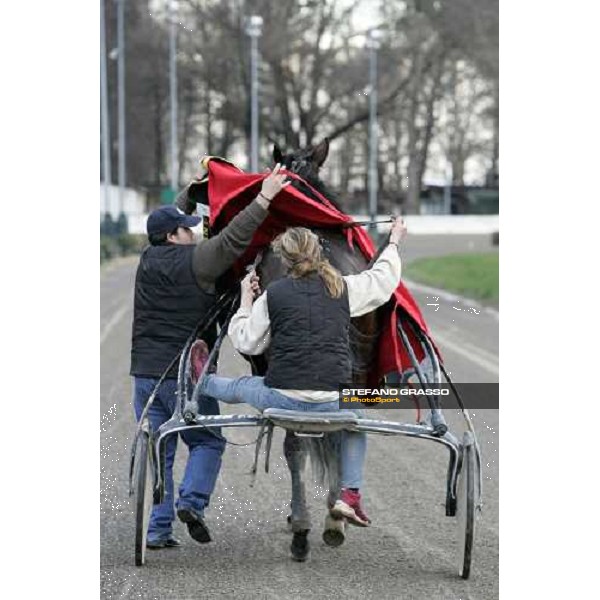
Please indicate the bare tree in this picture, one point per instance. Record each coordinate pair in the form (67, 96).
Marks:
(437, 85)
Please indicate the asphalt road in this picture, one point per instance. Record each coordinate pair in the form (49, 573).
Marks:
(409, 552)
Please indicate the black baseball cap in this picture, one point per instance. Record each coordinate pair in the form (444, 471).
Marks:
(167, 218)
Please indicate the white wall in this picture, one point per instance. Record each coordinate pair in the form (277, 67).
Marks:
(134, 202)
(444, 224)
(134, 206)
(137, 223)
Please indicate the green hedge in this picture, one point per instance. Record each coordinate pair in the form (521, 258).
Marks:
(124, 244)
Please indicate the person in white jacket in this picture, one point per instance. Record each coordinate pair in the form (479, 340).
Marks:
(303, 321)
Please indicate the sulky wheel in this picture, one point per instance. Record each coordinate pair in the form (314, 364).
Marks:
(143, 498)
(465, 509)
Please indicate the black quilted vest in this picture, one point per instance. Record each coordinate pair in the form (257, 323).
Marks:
(309, 347)
(168, 304)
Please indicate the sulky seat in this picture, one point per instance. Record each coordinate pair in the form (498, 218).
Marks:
(311, 422)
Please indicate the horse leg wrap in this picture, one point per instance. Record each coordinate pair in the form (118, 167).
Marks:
(334, 532)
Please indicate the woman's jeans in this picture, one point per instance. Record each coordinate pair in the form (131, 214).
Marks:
(204, 460)
(253, 391)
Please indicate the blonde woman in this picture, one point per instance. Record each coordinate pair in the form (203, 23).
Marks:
(303, 319)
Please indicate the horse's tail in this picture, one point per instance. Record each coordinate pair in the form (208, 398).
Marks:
(325, 460)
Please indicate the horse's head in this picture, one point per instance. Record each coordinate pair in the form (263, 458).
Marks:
(305, 162)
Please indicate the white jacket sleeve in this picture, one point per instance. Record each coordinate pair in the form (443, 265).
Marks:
(372, 288)
(250, 330)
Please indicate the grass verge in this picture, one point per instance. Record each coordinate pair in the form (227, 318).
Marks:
(471, 275)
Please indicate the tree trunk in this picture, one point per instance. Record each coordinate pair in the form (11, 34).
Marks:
(493, 175)
(227, 138)
(188, 109)
(396, 155)
(284, 124)
(434, 96)
(413, 196)
(458, 169)
(208, 117)
(345, 166)
(158, 141)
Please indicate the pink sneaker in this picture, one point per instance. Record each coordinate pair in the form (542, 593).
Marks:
(198, 357)
(348, 507)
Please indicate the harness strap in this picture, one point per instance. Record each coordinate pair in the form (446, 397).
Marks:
(259, 440)
(271, 427)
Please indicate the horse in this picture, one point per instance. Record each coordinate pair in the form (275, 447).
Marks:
(324, 452)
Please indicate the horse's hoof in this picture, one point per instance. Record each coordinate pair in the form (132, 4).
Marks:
(300, 547)
(334, 532)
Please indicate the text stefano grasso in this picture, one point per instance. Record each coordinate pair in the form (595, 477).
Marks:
(394, 392)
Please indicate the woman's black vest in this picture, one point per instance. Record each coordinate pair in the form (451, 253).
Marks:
(310, 347)
(168, 304)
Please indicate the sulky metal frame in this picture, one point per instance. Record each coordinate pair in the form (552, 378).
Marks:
(186, 417)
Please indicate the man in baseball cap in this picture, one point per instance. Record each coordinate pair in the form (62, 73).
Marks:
(174, 289)
(173, 224)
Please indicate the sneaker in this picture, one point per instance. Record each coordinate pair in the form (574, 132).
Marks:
(198, 357)
(170, 542)
(195, 524)
(348, 507)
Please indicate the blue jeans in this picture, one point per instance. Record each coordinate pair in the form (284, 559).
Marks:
(253, 391)
(204, 460)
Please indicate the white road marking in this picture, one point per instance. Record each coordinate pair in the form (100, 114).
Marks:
(449, 297)
(114, 321)
(482, 358)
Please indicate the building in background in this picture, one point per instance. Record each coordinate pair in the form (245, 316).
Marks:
(135, 211)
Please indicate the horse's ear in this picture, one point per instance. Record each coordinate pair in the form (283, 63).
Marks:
(277, 154)
(320, 152)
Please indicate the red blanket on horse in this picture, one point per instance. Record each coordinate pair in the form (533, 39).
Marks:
(231, 189)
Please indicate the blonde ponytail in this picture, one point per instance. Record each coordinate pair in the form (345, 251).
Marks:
(300, 252)
(331, 278)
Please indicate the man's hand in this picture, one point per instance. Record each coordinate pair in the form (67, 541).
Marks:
(272, 185)
(250, 289)
(398, 231)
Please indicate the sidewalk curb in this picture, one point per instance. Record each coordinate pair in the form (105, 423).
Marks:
(450, 297)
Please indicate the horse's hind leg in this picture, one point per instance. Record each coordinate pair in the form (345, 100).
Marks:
(295, 455)
(334, 530)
